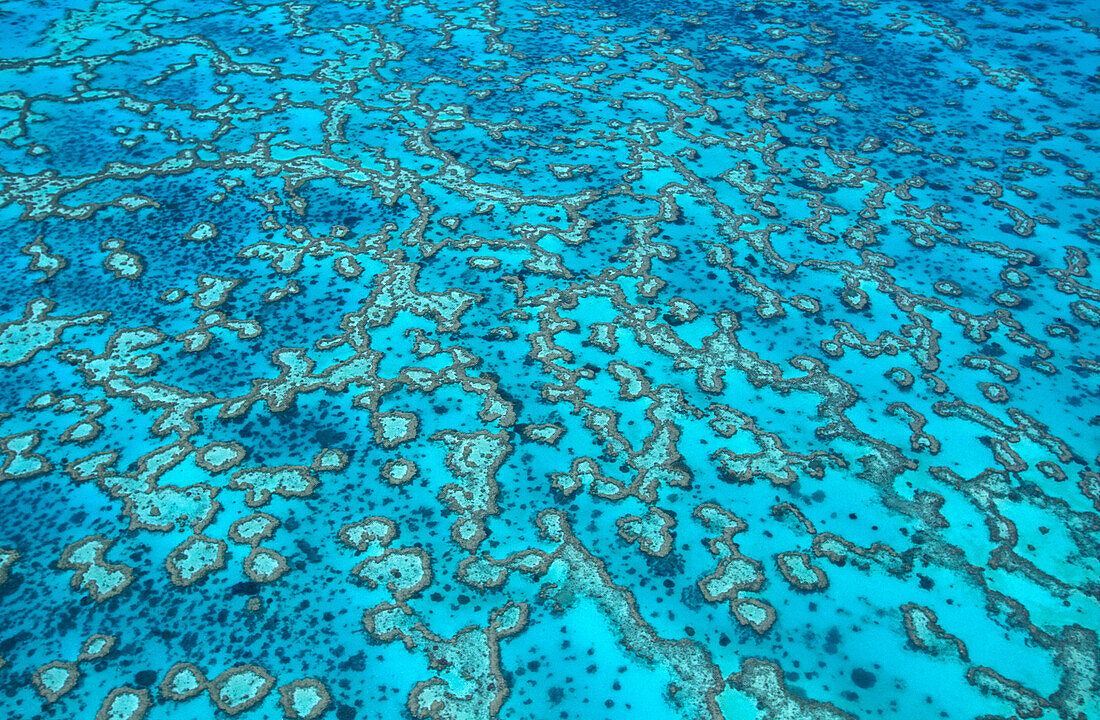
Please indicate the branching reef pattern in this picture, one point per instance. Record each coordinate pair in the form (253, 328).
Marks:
(376, 359)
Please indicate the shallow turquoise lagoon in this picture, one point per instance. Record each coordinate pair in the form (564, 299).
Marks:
(534, 361)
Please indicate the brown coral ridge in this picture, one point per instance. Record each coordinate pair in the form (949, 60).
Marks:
(194, 559)
(229, 699)
(403, 572)
(652, 532)
(474, 459)
(116, 707)
(925, 634)
(696, 679)
(240, 688)
(470, 657)
(57, 678)
(289, 694)
(763, 681)
(93, 574)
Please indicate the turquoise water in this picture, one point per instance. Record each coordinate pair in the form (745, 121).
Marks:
(550, 360)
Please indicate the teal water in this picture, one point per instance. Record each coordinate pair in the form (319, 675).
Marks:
(550, 360)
